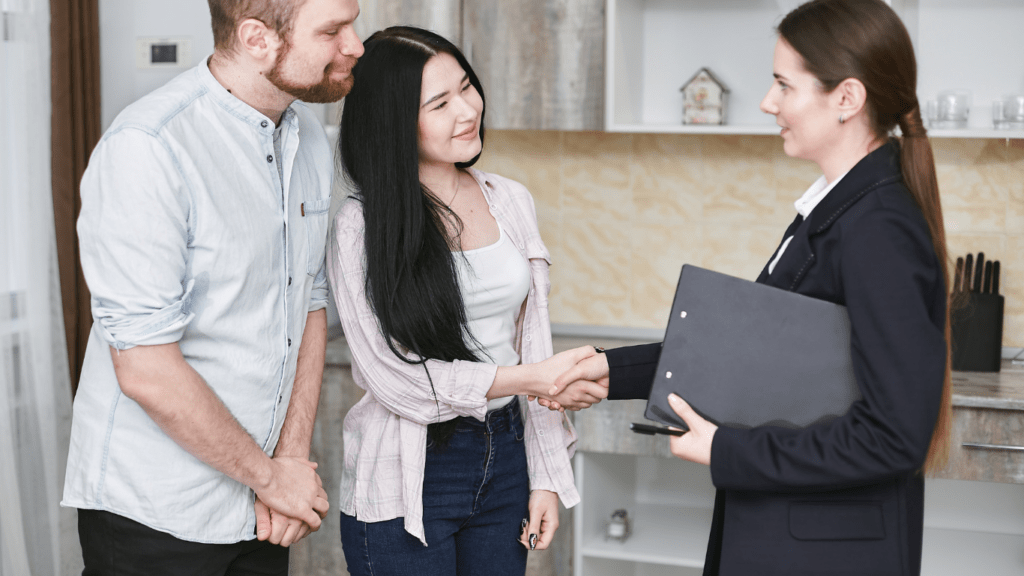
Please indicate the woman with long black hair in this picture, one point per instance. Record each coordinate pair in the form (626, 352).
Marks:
(441, 281)
(845, 496)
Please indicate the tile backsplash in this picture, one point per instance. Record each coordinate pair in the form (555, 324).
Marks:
(621, 213)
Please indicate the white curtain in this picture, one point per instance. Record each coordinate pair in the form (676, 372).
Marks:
(37, 537)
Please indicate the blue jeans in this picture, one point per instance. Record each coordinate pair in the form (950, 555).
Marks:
(476, 493)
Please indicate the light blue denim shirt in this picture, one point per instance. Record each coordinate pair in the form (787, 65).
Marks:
(187, 235)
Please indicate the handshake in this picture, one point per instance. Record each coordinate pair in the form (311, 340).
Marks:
(572, 380)
(292, 504)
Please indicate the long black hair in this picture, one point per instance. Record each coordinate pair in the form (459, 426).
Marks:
(411, 280)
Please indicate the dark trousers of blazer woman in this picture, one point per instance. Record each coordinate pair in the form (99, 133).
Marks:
(847, 496)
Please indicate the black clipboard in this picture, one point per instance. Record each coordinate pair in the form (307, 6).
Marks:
(744, 354)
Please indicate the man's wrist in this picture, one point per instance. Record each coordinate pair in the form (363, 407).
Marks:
(263, 475)
(292, 449)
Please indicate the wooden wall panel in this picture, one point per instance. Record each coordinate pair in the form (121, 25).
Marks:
(541, 62)
(441, 16)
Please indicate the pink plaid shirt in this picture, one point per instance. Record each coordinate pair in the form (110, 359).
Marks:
(385, 433)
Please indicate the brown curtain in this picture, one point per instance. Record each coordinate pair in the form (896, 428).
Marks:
(75, 90)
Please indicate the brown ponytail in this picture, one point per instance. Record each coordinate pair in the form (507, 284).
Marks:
(918, 166)
(865, 39)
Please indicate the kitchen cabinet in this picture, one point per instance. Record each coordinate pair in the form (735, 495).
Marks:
(969, 525)
(541, 63)
(654, 46)
(441, 16)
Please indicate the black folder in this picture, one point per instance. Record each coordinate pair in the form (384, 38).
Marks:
(744, 354)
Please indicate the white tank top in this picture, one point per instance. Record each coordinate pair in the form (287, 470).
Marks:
(495, 281)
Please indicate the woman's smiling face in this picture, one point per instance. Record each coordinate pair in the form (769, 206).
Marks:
(450, 111)
(808, 116)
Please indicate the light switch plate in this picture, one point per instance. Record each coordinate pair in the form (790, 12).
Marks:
(163, 52)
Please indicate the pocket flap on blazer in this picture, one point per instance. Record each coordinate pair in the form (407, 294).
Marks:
(836, 521)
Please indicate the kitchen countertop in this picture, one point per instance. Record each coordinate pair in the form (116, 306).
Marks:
(1002, 390)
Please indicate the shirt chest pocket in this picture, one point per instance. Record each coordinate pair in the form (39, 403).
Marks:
(315, 214)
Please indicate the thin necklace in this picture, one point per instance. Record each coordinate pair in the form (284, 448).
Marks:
(458, 183)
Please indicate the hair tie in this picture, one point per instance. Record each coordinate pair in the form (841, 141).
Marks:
(912, 125)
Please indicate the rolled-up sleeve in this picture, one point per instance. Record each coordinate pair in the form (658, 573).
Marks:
(134, 233)
(318, 296)
(452, 389)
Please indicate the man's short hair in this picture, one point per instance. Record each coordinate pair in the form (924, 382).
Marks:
(226, 15)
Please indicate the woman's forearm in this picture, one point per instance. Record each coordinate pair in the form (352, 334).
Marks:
(536, 379)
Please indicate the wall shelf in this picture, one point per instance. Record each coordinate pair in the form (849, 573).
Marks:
(654, 46)
(669, 503)
(664, 534)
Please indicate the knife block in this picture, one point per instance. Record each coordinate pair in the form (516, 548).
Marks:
(977, 333)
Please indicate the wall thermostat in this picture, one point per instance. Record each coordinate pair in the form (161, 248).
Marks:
(170, 52)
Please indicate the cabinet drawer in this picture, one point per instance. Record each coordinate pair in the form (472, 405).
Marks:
(987, 445)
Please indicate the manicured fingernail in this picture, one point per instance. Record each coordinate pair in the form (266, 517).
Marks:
(533, 541)
(674, 399)
(522, 528)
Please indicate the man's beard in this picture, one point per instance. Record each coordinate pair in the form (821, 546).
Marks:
(323, 92)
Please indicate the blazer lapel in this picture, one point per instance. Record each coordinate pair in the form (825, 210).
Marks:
(795, 261)
(763, 276)
(878, 168)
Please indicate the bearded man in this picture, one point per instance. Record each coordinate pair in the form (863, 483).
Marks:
(203, 230)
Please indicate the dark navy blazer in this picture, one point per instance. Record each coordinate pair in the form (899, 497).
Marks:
(847, 496)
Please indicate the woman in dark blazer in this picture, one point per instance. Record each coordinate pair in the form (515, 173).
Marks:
(847, 496)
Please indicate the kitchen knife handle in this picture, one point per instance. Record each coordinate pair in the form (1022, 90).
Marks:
(979, 271)
(1001, 447)
(987, 286)
(995, 277)
(958, 275)
(968, 272)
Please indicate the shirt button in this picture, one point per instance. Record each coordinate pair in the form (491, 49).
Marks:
(289, 341)
(270, 158)
(529, 338)
(280, 398)
(289, 280)
(263, 124)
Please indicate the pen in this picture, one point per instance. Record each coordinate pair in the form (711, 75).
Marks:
(652, 430)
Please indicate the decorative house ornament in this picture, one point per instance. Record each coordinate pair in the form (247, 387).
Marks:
(704, 99)
(618, 527)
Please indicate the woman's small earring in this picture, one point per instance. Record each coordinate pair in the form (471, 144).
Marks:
(842, 118)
